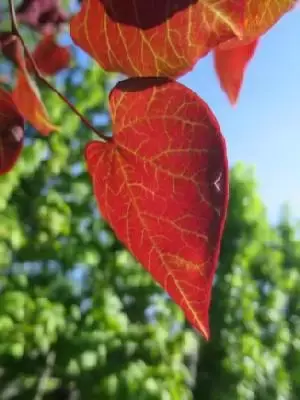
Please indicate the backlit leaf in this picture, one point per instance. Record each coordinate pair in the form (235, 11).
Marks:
(162, 185)
(154, 38)
(27, 99)
(230, 65)
(11, 132)
(259, 17)
(233, 56)
(50, 57)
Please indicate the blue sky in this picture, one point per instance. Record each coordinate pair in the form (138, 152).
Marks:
(264, 128)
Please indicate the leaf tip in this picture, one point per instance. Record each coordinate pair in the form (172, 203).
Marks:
(233, 97)
(202, 324)
(205, 331)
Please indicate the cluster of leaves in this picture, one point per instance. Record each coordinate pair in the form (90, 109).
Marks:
(161, 182)
(24, 102)
(80, 320)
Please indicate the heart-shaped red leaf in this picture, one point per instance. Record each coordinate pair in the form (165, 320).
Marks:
(154, 38)
(230, 65)
(11, 132)
(162, 185)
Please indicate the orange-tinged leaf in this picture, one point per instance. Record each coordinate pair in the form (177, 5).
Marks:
(162, 185)
(154, 38)
(230, 65)
(27, 99)
(11, 132)
(232, 57)
(259, 17)
(50, 57)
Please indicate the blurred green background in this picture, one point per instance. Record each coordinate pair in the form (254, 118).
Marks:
(80, 319)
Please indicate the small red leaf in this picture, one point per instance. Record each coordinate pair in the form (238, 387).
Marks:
(230, 65)
(162, 184)
(50, 57)
(157, 37)
(27, 99)
(11, 132)
(12, 48)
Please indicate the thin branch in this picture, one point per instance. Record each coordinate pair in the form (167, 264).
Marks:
(42, 79)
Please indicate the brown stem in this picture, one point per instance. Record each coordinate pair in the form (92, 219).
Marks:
(39, 75)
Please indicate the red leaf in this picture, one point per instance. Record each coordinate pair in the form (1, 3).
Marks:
(50, 57)
(230, 65)
(27, 99)
(154, 38)
(11, 132)
(259, 17)
(162, 184)
(12, 48)
(233, 56)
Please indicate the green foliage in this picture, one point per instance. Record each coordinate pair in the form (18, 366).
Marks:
(77, 314)
(254, 328)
